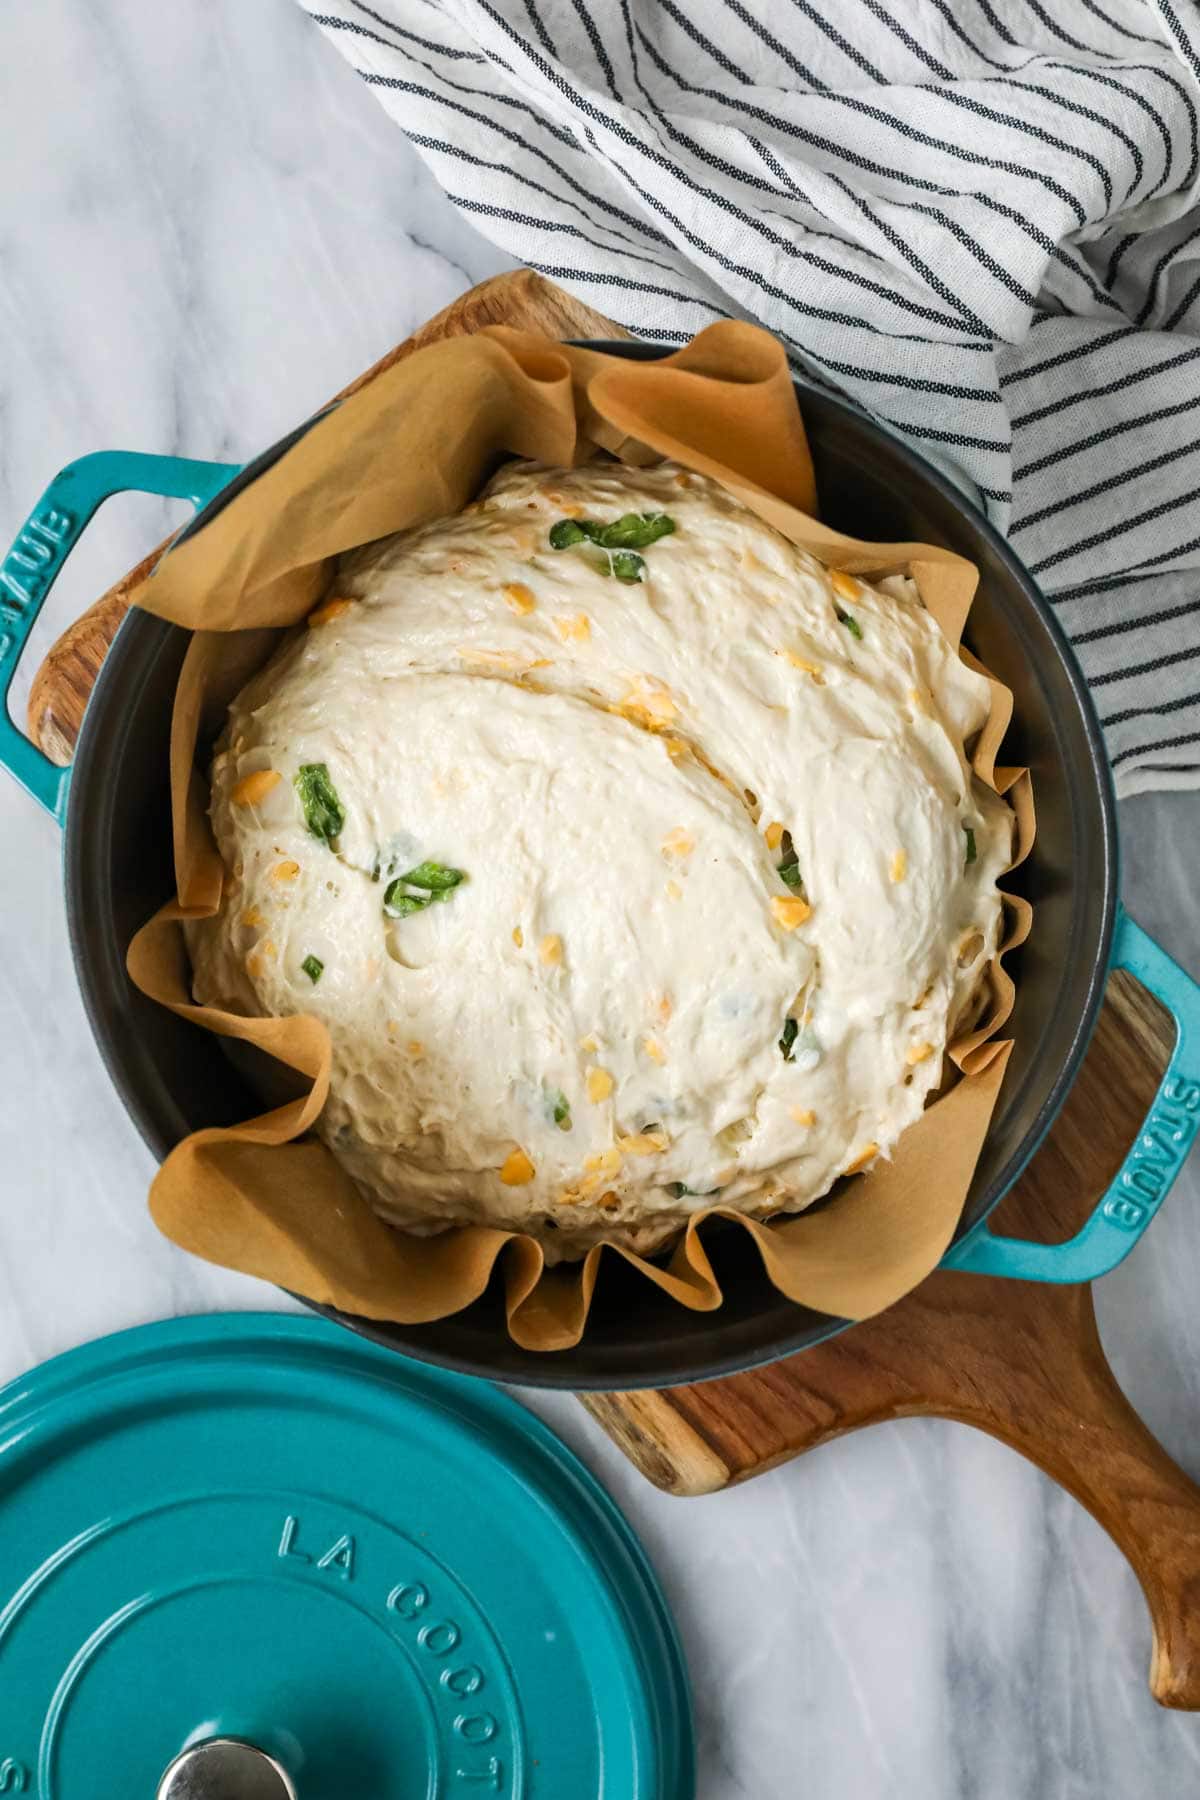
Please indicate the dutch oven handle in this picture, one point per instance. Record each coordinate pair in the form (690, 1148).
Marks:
(1158, 1154)
(38, 554)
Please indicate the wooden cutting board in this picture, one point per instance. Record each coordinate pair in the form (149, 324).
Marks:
(1018, 1360)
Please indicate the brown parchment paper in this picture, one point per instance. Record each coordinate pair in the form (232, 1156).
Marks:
(417, 444)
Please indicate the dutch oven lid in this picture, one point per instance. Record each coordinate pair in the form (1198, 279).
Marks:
(379, 1580)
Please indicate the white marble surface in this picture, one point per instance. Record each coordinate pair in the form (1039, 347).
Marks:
(206, 226)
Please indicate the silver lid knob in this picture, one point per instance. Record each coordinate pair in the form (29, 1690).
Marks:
(225, 1769)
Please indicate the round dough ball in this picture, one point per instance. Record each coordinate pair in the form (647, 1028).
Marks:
(569, 990)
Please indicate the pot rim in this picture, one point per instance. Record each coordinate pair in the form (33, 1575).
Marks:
(545, 1371)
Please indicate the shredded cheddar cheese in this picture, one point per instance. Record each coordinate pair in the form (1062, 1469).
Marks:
(641, 1143)
(490, 659)
(328, 612)
(253, 788)
(599, 1085)
(969, 948)
(653, 696)
(608, 1162)
(678, 843)
(789, 911)
(516, 1169)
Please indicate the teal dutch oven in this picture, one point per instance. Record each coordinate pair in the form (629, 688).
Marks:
(114, 807)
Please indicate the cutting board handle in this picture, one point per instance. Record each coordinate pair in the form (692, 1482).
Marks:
(1086, 1436)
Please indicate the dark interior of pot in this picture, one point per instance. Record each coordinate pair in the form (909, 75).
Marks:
(175, 1078)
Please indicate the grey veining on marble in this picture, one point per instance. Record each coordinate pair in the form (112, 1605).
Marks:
(206, 227)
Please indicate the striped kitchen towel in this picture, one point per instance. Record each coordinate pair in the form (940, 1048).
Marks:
(977, 217)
